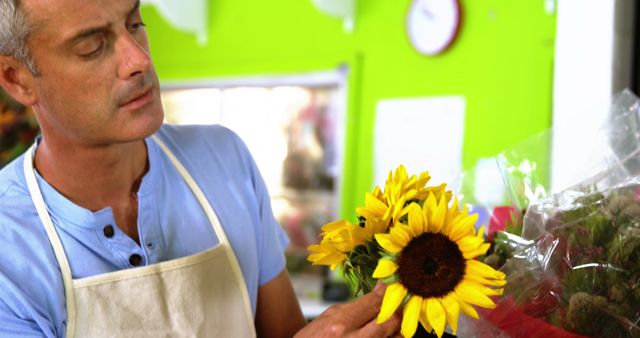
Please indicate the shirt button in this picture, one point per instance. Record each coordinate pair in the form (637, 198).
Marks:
(135, 260)
(108, 231)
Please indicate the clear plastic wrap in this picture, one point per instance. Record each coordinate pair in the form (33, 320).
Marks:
(575, 270)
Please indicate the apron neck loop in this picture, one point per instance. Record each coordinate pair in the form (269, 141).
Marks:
(54, 239)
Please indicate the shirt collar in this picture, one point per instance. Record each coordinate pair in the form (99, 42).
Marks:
(72, 214)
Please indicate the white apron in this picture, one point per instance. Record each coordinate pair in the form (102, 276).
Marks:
(203, 295)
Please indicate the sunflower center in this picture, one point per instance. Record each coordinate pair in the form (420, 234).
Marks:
(431, 265)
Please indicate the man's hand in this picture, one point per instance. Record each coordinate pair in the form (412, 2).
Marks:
(356, 319)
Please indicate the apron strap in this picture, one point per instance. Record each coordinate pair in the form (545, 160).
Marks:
(215, 222)
(195, 189)
(61, 257)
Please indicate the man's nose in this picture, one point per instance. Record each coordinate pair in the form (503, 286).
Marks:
(135, 58)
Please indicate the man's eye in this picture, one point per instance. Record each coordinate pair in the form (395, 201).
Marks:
(91, 47)
(134, 27)
(94, 52)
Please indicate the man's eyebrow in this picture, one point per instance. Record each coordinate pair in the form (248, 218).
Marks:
(136, 6)
(87, 32)
(96, 30)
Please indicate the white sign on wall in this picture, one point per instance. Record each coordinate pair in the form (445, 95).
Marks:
(422, 134)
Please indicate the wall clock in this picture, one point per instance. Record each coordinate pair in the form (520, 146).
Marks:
(432, 25)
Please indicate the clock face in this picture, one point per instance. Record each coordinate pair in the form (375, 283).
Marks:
(432, 25)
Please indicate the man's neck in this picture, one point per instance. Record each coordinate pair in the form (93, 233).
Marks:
(93, 177)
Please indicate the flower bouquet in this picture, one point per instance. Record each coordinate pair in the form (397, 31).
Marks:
(575, 269)
(581, 276)
(419, 241)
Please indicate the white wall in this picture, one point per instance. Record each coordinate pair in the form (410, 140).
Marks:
(592, 62)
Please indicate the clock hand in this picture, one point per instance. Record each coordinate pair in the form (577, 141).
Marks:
(427, 12)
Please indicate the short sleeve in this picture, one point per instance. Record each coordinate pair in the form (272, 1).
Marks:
(273, 239)
(19, 316)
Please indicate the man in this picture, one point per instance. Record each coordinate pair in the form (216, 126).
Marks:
(107, 188)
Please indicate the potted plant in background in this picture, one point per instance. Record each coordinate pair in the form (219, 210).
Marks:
(18, 128)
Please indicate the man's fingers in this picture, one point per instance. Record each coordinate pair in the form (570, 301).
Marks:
(390, 328)
(367, 307)
(356, 319)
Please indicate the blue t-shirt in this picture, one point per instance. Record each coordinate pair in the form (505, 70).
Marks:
(171, 225)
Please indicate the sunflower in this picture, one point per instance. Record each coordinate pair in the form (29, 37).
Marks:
(341, 238)
(338, 238)
(429, 265)
(399, 191)
(352, 246)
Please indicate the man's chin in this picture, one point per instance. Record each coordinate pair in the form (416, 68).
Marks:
(152, 126)
(143, 126)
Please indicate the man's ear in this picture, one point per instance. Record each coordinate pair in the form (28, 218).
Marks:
(16, 80)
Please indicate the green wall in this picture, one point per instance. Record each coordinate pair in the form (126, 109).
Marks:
(502, 62)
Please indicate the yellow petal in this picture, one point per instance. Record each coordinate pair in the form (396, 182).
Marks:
(377, 225)
(466, 308)
(393, 297)
(386, 243)
(481, 233)
(491, 292)
(436, 315)
(345, 246)
(470, 293)
(389, 179)
(373, 202)
(368, 213)
(377, 193)
(484, 270)
(438, 217)
(469, 243)
(357, 236)
(316, 257)
(388, 215)
(478, 252)
(480, 280)
(423, 179)
(401, 174)
(424, 320)
(465, 209)
(411, 194)
(480, 287)
(327, 259)
(452, 213)
(409, 183)
(416, 220)
(428, 208)
(410, 316)
(315, 247)
(405, 210)
(463, 227)
(454, 210)
(385, 268)
(398, 209)
(373, 206)
(452, 311)
(333, 226)
(452, 223)
(400, 234)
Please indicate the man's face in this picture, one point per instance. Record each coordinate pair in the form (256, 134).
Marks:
(97, 84)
